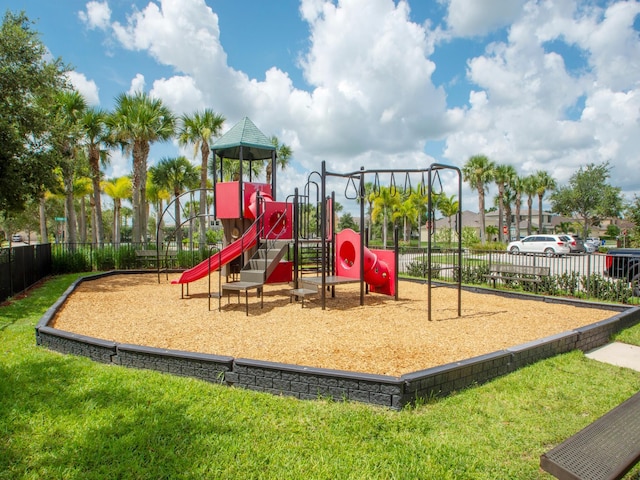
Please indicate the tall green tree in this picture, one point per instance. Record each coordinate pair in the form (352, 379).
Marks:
(503, 175)
(530, 189)
(118, 189)
(449, 207)
(70, 107)
(176, 175)
(200, 129)
(544, 183)
(588, 196)
(29, 84)
(517, 184)
(478, 172)
(97, 141)
(137, 121)
(283, 156)
(384, 206)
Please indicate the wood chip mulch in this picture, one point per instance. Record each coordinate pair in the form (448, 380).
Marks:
(383, 336)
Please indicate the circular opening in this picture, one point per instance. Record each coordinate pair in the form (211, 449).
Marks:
(347, 254)
(277, 222)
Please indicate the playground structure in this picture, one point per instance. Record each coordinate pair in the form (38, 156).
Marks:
(260, 232)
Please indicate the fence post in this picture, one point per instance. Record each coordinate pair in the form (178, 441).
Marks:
(588, 271)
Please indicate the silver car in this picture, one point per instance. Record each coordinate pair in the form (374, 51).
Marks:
(547, 244)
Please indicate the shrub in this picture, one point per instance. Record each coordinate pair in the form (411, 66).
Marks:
(125, 258)
(420, 269)
(105, 259)
(70, 261)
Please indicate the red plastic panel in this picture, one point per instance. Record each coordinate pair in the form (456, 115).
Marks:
(227, 198)
(250, 194)
(283, 273)
(278, 220)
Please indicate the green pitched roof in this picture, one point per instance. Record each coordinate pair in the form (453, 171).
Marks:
(255, 144)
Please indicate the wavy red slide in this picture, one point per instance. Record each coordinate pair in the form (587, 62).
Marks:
(221, 258)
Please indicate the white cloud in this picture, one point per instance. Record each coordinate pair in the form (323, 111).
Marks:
(518, 113)
(371, 99)
(469, 18)
(86, 87)
(137, 84)
(97, 15)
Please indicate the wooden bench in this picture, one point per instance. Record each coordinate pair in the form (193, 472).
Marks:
(604, 450)
(517, 273)
(149, 258)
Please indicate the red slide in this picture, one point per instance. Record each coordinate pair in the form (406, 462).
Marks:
(221, 258)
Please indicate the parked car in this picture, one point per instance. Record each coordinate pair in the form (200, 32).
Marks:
(624, 264)
(548, 244)
(16, 237)
(595, 241)
(575, 243)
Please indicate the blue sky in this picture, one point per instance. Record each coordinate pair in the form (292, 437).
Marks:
(542, 85)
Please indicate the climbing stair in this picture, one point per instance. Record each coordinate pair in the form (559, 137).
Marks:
(264, 261)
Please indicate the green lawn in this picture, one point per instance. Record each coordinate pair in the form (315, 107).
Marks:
(67, 417)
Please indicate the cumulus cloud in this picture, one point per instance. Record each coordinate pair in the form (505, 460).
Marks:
(371, 99)
(96, 16)
(86, 87)
(137, 84)
(529, 109)
(469, 18)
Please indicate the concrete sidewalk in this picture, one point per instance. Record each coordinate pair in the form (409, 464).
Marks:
(617, 353)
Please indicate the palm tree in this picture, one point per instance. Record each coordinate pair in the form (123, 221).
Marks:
(157, 195)
(82, 187)
(544, 183)
(517, 184)
(449, 207)
(529, 188)
(97, 141)
(70, 107)
(420, 200)
(383, 207)
(478, 172)
(118, 189)
(136, 122)
(283, 155)
(502, 175)
(405, 210)
(176, 175)
(231, 169)
(200, 129)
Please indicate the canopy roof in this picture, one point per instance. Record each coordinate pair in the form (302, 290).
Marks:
(255, 144)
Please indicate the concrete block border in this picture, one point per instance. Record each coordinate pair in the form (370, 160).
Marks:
(309, 383)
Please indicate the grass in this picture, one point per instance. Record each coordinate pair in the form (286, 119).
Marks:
(67, 417)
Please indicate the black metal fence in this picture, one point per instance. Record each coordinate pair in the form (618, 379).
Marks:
(572, 275)
(22, 266)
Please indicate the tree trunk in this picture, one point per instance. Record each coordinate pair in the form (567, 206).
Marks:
(518, 204)
(204, 151)
(70, 212)
(481, 210)
(178, 230)
(44, 236)
(540, 229)
(530, 215)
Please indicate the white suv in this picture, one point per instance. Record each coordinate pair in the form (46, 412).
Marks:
(550, 245)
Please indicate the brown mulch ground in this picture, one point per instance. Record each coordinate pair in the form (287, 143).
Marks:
(383, 337)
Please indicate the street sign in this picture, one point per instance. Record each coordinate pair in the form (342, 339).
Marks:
(61, 219)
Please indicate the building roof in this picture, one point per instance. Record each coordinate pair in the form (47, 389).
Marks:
(246, 139)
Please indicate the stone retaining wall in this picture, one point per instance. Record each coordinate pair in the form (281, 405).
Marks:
(309, 383)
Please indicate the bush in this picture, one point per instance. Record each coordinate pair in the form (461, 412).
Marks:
(105, 259)
(70, 261)
(472, 274)
(126, 258)
(420, 269)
